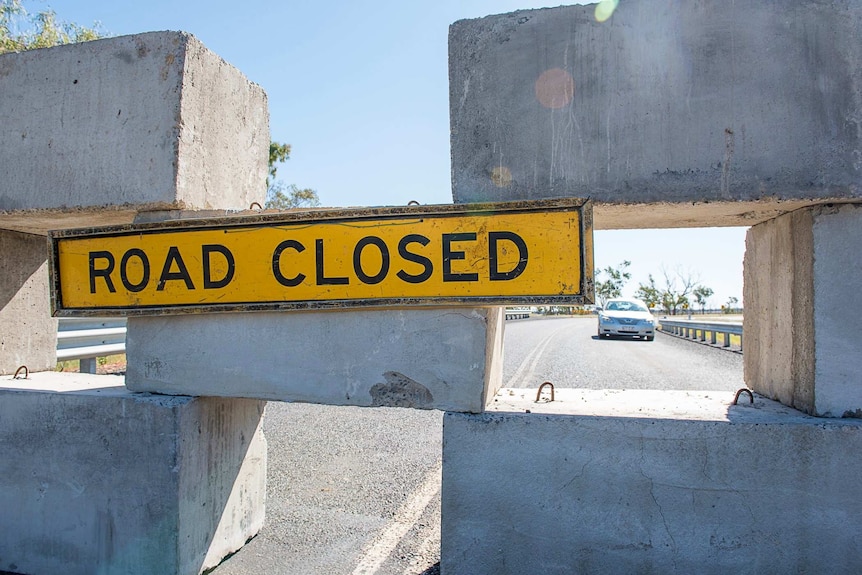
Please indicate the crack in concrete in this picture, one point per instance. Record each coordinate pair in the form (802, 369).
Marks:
(674, 548)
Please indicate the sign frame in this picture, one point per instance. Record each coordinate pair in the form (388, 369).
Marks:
(246, 220)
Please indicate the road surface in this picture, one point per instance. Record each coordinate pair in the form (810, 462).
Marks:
(357, 490)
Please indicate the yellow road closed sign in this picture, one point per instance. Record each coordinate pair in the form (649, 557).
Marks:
(473, 254)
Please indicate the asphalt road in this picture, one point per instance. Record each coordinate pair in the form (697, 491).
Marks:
(357, 490)
(568, 353)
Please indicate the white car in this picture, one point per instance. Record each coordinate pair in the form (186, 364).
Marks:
(626, 317)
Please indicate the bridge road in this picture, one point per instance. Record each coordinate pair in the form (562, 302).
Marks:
(356, 490)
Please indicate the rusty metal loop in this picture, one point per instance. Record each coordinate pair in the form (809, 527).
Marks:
(740, 392)
(253, 204)
(18, 371)
(413, 203)
(541, 387)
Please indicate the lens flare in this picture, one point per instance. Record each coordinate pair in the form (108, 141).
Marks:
(501, 176)
(555, 88)
(605, 9)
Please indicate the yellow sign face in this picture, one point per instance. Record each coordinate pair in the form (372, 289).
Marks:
(498, 253)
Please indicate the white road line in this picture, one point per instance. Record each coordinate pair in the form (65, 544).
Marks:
(379, 551)
(532, 360)
(430, 547)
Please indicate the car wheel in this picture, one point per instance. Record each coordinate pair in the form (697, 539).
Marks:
(650, 338)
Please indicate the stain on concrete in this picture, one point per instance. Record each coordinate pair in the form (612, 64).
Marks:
(729, 146)
(153, 369)
(7, 66)
(125, 56)
(400, 391)
(166, 69)
(141, 48)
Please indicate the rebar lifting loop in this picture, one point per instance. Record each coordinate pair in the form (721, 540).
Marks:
(740, 392)
(413, 203)
(253, 204)
(541, 387)
(18, 371)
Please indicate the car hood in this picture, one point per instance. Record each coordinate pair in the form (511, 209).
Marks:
(628, 314)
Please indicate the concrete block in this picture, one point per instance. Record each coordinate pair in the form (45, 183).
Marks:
(95, 132)
(801, 339)
(96, 479)
(448, 358)
(648, 482)
(672, 113)
(28, 333)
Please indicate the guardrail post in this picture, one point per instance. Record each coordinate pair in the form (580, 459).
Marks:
(697, 330)
(87, 365)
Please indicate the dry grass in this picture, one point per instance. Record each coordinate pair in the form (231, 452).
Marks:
(104, 365)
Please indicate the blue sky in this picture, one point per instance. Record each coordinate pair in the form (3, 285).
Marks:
(360, 91)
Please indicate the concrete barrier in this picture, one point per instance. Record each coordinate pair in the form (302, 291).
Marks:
(100, 131)
(648, 482)
(29, 333)
(802, 278)
(447, 358)
(95, 479)
(669, 114)
(96, 132)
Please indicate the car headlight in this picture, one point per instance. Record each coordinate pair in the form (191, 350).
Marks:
(605, 319)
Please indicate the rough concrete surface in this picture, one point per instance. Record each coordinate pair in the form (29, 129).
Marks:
(150, 121)
(28, 333)
(778, 323)
(631, 484)
(837, 276)
(446, 358)
(801, 341)
(95, 479)
(697, 104)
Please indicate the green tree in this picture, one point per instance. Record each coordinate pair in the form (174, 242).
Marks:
(20, 30)
(278, 153)
(613, 286)
(701, 295)
(731, 305)
(280, 196)
(678, 286)
(649, 293)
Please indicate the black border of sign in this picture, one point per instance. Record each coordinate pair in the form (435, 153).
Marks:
(246, 220)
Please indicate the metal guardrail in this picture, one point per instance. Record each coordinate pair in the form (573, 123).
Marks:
(694, 329)
(88, 338)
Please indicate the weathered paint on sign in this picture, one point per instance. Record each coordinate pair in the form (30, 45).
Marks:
(499, 253)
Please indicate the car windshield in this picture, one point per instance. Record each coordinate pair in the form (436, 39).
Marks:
(625, 306)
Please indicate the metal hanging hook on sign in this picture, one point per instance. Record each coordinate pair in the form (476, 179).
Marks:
(18, 372)
(541, 387)
(740, 392)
